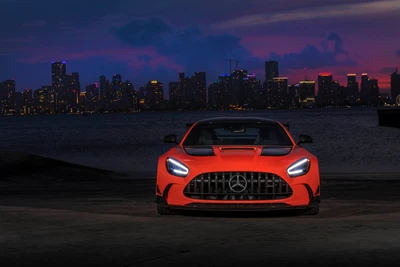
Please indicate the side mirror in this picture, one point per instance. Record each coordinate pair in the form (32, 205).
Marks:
(305, 139)
(171, 138)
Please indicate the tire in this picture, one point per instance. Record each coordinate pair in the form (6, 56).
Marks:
(165, 211)
(312, 211)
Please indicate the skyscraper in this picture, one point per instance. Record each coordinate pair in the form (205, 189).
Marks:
(325, 88)
(394, 85)
(116, 87)
(373, 92)
(155, 93)
(352, 84)
(58, 73)
(271, 70)
(200, 93)
(307, 91)
(237, 87)
(104, 84)
(7, 97)
(277, 95)
(173, 94)
(364, 81)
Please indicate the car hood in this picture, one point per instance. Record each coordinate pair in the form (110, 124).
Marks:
(237, 151)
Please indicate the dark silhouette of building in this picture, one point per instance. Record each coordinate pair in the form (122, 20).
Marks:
(271, 70)
(326, 89)
(255, 96)
(199, 90)
(219, 93)
(174, 95)
(7, 97)
(278, 92)
(92, 97)
(237, 88)
(154, 94)
(72, 89)
(372, 95)
(58, 73)
(395, 85)
(27, 102)
(364, 87)
(352, 84)
(307, 93)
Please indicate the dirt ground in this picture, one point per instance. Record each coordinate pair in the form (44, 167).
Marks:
(114, 223)
(101, 222)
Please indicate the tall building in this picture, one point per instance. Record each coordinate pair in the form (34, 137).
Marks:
(364, 81)
(129, 96)
(42, 98)
(325, 88)
(307, 92)
(373, 92)
(173, 94)
(181, 95)
(238, 87)
(395, 85)
(104, 88)
(352, 84)
(219, 93)
(58, 73)
(27, 102)
(7, 97)
(155, 94)
(91, 96)
(271, 70)
(72, 89)
(278, 92)
(200, 89)
(254, 94)
(116, 87)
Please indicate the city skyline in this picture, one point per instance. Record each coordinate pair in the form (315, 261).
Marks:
(148, 41)
(237, 90)
(211, 80)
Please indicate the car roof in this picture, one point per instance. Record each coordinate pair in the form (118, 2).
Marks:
(237, 120)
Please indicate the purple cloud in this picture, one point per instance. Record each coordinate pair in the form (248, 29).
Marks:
(193, 50)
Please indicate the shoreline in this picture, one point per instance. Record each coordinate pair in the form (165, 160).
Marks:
(106, 112)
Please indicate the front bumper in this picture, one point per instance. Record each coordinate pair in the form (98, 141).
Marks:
(315, 201)
(303, 198)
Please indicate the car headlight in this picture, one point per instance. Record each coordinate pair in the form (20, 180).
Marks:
(176, 168)
(299, 168)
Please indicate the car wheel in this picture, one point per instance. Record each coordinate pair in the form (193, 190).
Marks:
(312, 211)
(165, 211)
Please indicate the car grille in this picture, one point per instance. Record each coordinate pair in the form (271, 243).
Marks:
(237, 186)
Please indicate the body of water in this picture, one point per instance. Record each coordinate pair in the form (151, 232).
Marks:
(345, 140)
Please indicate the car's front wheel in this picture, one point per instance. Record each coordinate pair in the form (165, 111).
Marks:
(161, 210)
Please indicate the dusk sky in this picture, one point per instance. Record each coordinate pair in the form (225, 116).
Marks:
(156, 39)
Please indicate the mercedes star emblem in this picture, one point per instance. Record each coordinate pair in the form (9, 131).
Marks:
(237, 183)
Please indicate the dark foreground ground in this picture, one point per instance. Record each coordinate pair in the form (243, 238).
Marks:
(65, 215)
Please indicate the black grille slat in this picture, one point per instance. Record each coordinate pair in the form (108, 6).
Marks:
(260, 186)
(273, 184)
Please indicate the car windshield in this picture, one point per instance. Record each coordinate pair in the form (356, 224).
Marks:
(237, 134)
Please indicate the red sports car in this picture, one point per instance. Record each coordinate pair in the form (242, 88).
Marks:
(237, 163)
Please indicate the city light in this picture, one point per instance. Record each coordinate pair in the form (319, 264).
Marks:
(239, 90)
(308, 82)
(324, 74)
